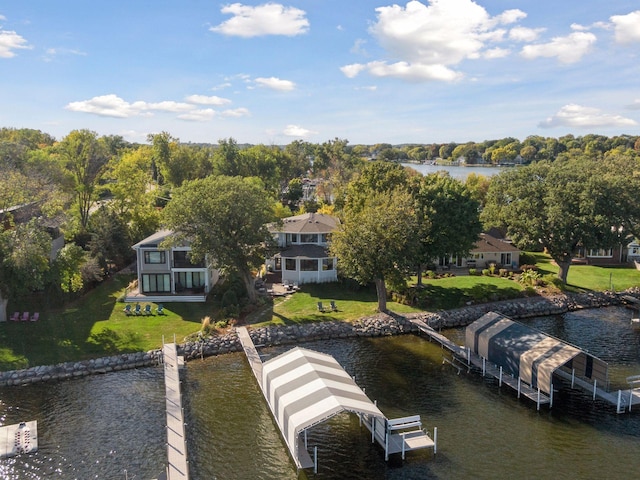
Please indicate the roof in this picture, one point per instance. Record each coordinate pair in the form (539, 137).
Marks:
(304, 388)
(306, 223)
(309, 251)
(529, 354)
(152, 241)
(488, 244)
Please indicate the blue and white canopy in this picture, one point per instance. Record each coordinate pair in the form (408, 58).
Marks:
(527, 353)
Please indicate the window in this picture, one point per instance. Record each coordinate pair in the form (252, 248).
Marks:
(156, 283)
(290, 264)
(182, 259)
(292, 238)
(600, 252)
(327, 264)
(505, 258)
(308, 238)
(325, 237)
(189, 280)
(307, 265)
(155, 257)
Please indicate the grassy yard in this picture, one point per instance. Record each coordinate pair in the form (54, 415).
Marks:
(93, 326)
(96, 326)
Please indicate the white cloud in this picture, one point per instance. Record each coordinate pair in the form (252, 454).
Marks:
(276, 83)
(267, 19)
(207, 100)
(201, 115)
(114, 106)
(635, 105)
(496, 52)
(627, 27)
(569, 49)
(297, 131)
(236, 112)
(428, 40)
(11, 41)
(51, 53)
(579, 116)
(524, 34)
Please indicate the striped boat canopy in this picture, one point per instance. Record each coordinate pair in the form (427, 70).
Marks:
(529, 354)
(304, 388)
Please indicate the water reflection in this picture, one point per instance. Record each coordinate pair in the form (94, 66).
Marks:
(96, 427)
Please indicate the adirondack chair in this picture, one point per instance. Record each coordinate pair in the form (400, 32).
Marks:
(25, 317)
(15, 317)
(127, 310)
(137, 310)
(35, 317)
(320, 307)
(160, 309)
(334, 307)
(147, 309)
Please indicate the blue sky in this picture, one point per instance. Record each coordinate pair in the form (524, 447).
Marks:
(366, 71)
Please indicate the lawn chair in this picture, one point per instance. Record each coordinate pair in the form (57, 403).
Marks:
(127, 310)
(320, 307)
(147, 309)
(15, 317)
(25, 317)
(334, 307)
(137, 310)
(35, 317)
(160, 309)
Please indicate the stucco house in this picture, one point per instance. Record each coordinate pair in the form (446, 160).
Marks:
(168, 274)
(303, 241)
(486, 251)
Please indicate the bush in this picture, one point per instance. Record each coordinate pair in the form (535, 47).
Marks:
(473, 271)
(486, 272)
(503, 272)
(527, 258)
(492, 268)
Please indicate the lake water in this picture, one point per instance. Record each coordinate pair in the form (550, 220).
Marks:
(96, 427)
(456, 171)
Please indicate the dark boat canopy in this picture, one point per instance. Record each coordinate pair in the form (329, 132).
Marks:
(529, 354)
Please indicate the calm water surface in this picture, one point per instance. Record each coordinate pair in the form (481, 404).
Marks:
(96, 427)
(456, 171)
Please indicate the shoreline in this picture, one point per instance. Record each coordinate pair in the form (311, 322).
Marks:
(382, 324)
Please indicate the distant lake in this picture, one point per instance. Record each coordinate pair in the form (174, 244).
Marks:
(456, 171)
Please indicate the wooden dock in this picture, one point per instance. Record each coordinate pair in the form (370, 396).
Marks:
(463, 358)
(18, 439)
(177, 463)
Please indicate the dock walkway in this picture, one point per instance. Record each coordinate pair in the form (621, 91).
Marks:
(177, 466)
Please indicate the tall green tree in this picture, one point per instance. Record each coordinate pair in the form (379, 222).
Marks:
(372, 244)
(225, 221)
(85, 158)
(24, 262)
(548, 205)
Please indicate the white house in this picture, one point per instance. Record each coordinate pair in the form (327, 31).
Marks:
(168, 275)
(304, 257)
(487, 250)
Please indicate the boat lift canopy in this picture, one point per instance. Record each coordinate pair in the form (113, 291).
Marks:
(304, 388)
(529, 354)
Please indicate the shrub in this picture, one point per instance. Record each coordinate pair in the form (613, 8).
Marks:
(492, 268)
(430, 274)
(486, 272)
(473, 271)
(527, 258)
(530, 277)
(503, 272)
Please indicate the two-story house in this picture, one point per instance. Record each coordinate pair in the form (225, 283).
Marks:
(168, 274)
(304, 256)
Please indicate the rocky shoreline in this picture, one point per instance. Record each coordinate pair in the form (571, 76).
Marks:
(374, 326)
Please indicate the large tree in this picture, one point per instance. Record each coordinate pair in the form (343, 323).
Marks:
(85, 157)
(374, 242)
(550, 205)
(225, 220)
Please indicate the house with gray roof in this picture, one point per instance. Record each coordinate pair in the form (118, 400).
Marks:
(304, 255)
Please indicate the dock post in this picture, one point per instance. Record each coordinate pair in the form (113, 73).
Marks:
(435, 440)
(374, 420)
(386, 447)
(595, 388)
(468, 355)
(551, 397)
(305, 439)
(484, 365)
(538, 401)
(315, 459)
(500, 381)
(619, 401)
(630, 398)
(573, 376)
(519, 386)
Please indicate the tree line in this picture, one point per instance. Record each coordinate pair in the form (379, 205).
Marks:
(104, 194)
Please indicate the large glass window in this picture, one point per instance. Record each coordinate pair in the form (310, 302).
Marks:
(505, 258)
(307, 265)
(182, 259)
(290, 264)
(308, 238)
(325, 237)
(189, 280)
(327, 264)
(155, 257)
(601, 252)
(156, 283)
(292, 238)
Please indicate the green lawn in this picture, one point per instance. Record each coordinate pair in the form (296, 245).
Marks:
(583, 278)
(93, 326)
(96, 326)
